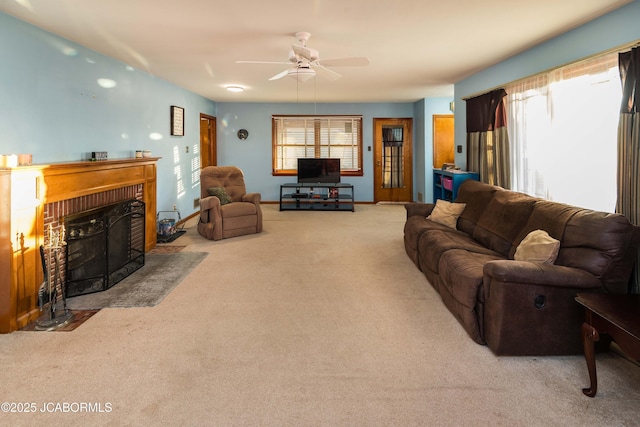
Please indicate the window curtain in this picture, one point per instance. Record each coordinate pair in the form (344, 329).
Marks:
(487, 138)
(563, 126)
(629, 147)
(529, 135)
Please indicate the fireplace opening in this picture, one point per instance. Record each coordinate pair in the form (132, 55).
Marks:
(104, 245)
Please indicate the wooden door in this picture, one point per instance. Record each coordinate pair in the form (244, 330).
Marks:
(393, 160)
(208, 148)
(443, 140)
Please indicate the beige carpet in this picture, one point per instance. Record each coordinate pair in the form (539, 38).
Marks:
(321, 320)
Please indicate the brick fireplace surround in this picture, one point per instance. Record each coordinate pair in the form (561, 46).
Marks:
(56, 211)
(38, 196)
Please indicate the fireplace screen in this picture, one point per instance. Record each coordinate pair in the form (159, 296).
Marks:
(104, 246)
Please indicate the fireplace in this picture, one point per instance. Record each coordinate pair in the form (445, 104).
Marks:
(104, 245)
(36, 199)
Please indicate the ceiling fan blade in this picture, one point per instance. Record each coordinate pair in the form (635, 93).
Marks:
(325, 72)
(280, 75)
(263, 62)
(360, 61)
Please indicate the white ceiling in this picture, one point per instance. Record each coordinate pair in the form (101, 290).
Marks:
(417, 48)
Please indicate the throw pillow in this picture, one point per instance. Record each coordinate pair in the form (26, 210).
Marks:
(220, 193)
(538, 246)
(446, 213)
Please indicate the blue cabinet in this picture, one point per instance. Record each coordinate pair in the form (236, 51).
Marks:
(447, 182)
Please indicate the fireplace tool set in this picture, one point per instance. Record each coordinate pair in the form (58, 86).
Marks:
(52, 284)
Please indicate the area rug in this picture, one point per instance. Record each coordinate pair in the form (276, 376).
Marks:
(166, 249)
(146, 287)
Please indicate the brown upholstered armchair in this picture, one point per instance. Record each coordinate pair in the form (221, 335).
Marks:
(226, 209)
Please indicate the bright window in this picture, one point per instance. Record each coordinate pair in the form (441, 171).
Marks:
(563, 133)
(318, 137)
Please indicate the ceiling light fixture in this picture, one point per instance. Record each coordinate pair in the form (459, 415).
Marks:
(301, 74)
(235, 88)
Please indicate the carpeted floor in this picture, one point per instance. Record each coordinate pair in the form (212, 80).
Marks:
(321, 320)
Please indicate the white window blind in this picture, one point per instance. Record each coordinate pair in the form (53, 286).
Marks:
(297, 137)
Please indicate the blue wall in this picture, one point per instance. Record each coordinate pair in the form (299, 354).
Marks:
(53, 107)
(615, 29)
(419, 152)
(253, 155)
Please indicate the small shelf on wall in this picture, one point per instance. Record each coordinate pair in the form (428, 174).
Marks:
(447, 182)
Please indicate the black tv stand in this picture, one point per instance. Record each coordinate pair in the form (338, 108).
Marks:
(317, 196)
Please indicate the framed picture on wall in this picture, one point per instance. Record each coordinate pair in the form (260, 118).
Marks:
(177, 121)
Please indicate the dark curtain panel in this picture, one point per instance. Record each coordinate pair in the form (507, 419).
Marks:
(486, 112)
(629, 147)
(487, 139)
(629, 66)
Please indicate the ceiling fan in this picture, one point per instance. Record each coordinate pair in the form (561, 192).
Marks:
(305, 62)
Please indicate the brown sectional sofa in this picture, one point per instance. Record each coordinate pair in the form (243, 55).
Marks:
(520, 307)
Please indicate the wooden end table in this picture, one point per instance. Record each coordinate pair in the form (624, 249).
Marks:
(616, 315)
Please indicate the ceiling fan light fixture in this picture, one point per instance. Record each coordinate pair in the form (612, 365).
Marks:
(235, 88)
(301, 74)
(304, 63)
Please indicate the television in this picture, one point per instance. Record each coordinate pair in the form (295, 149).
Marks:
(314, 171)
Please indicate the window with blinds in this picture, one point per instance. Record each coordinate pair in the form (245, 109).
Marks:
(297, 137)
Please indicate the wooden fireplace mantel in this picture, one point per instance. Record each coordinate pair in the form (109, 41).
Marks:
(25, 190)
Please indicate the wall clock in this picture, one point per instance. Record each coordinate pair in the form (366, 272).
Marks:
(243, 134)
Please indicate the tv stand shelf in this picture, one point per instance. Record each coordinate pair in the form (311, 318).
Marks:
(317, 196)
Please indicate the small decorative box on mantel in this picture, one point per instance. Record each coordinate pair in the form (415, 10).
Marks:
(98, 155)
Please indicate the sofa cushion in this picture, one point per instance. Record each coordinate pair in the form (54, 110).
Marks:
(415, 226)
(220, 193)
(503, 218)
(434, 242)
(549, 216)
(446, 213)
(236, 209)
(461, 288)
(462, 272)
(602, 244)
(476, 195)
(538, 246)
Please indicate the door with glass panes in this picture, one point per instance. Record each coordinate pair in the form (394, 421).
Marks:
(393, 160)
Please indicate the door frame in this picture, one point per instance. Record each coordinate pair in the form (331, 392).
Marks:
(212, 154)
(436, 119)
